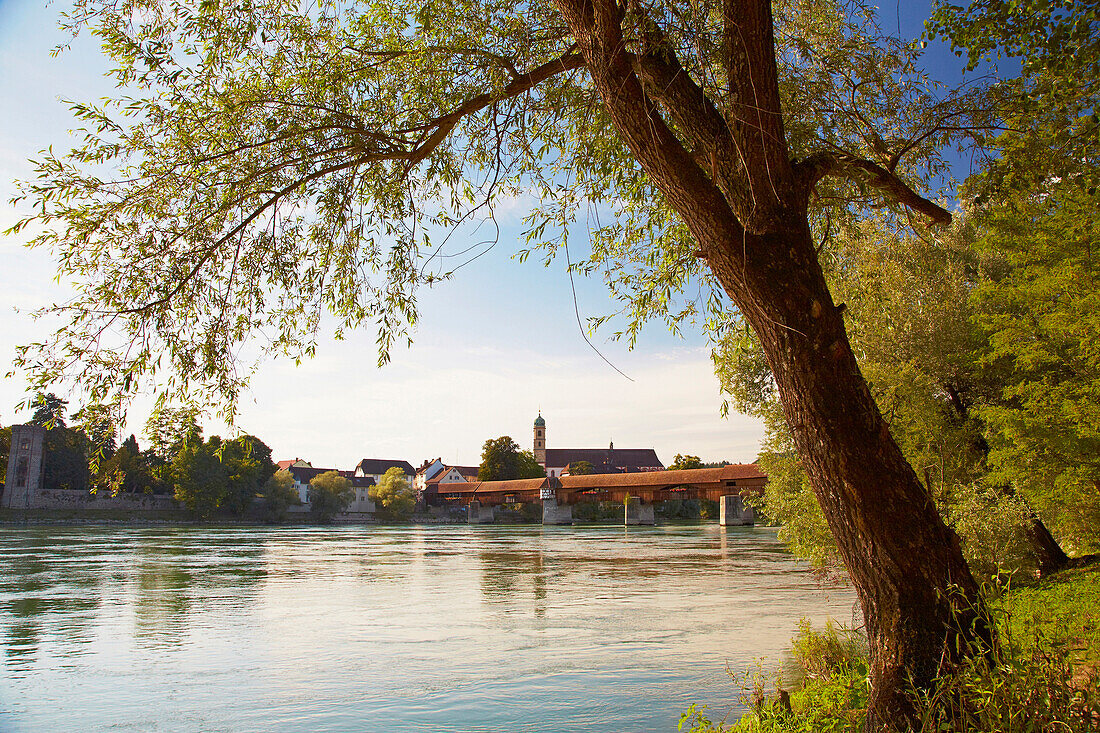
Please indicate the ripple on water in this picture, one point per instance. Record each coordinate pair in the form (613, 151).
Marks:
(444, 628)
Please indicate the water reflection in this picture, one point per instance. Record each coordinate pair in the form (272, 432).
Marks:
(173, 582)
(514, 579)
(47, 589)
(441, 629)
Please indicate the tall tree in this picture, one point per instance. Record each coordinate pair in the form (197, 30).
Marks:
(278, 494)
(49, 410)
(683, 463)
(248, 466)
(581, 468)
(394, 495)
(200, 480)
(278, 155)
(99, 425)
(1041, 309)
(126, 471)
(168, 428)
(329, 494)
(502, 460)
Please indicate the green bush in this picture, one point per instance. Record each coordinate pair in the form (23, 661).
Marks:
(993, 528)
(1043, 679)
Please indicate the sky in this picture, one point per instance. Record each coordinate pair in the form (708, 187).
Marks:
(494, 346)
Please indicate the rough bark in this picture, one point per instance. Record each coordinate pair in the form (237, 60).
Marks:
(748, 212)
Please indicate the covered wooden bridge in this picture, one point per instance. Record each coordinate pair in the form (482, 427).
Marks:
(648, 486)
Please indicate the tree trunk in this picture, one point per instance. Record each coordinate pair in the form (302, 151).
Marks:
(748, 211)
(922, 607)
(1048, 552)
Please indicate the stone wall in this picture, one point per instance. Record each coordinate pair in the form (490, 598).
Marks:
(82, 500)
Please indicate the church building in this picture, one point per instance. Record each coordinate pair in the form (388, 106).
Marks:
(556, 461)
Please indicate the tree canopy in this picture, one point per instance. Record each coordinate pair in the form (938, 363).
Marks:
(683, 463)
(394, 495)
(273, 162)
(329, 494)
(502, 460)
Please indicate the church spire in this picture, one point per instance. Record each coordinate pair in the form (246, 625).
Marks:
(540, 440)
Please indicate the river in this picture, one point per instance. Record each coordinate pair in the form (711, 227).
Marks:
(441, 628)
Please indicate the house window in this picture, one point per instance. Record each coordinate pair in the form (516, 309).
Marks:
(21, 471)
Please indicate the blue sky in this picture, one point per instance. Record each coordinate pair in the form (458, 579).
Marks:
(495, 345)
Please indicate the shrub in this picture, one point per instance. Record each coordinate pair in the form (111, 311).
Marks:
(993, 528)
(1043, 678)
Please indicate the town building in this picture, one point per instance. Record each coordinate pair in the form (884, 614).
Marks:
(376, 468)
(433, 473)
(303, 472)
(556, 461)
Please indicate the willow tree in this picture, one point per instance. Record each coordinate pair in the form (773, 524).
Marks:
(266, 162)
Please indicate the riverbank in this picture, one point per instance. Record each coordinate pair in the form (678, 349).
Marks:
(1045, 678)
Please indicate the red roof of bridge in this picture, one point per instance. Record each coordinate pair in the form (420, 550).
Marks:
(732, 472)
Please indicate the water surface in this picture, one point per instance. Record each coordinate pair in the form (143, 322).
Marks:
(443, 628)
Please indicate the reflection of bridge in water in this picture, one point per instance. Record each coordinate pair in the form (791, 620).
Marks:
(638, 492)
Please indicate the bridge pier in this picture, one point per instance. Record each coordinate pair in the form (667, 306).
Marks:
(732, 512)
(635, 512)
(554, 513)
(478, 514)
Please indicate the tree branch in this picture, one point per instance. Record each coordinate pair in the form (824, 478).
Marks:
(817, 166)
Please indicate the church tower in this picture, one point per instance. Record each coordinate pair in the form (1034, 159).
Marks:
(540, 440)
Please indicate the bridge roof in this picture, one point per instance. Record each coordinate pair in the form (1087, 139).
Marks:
(482, 487)
(664, 478)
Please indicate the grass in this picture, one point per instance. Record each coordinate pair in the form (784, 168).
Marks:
(1045, 679)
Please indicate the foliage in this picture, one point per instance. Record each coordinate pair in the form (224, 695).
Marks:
(992, 525)
(65, 460)
(278, 495)
(678, 509)
(521, 513)
(1040, 306)
(1050, 111)
(49, 410)
(99, 425)
(168, 428)
(429, 117)
(329, 494)
(200, 480)
(126, 471)
(393, 495)
(248, 466)
(683, 463)
(1043, 679)
(789, 500)
(502, 460)
(598, 511)
(581, 468)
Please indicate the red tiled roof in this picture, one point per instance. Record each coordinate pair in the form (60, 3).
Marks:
(515, 485)
(665, 478)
